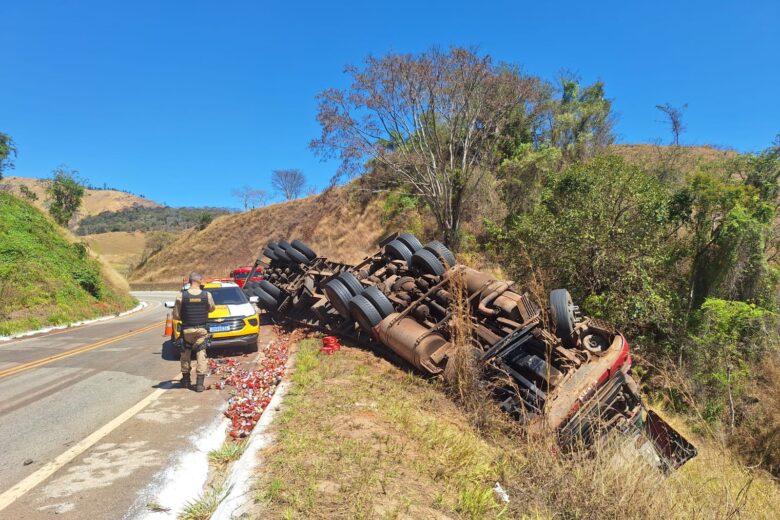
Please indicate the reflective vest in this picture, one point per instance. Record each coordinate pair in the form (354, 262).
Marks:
(194, 309)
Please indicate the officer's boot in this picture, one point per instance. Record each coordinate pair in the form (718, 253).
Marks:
(199, 387)
(185, 380)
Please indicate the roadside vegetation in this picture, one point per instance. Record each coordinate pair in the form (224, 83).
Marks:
(47, 278)
(359, 438)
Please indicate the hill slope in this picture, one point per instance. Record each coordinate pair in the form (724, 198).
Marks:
(332, 224)
(95, 201)
(45, 277)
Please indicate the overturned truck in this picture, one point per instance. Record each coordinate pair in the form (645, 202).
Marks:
(572, 377)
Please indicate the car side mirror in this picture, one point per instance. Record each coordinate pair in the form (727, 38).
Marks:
(169, 305)
(254, 299)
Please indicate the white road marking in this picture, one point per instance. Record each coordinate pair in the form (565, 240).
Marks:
(47, 470)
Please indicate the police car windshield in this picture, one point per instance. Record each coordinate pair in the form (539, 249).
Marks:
(227, 296)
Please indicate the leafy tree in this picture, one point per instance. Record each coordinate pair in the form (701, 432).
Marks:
(7, 153)
(289, 183)
(65, 193)
(435, 121)
(732, 334)
(600, 229)
(580, 122)
(728, 227)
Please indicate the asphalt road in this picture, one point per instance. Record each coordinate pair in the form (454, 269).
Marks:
(58, 389)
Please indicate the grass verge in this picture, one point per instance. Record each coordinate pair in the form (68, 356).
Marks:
(45, 277)
(359, 438)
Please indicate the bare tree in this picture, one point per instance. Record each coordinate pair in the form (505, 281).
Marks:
(674, 117)
(433, 120)
(251, 197)
(289, 183)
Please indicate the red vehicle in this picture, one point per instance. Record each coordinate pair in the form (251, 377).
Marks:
(240, 274)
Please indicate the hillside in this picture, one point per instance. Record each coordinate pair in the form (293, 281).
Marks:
(333, 224)
(46, 277)
(119, 249)
(95, 201)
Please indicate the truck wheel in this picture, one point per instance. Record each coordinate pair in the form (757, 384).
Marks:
(281, 255)
(351, 282)
(562, 316)
(295, 255)
(267, 301)
(364, 312)
(427, 263)
(441, 251)
(397, 250)
(338, 296)
(303, 248)
(270, 254)
(410, 241)
(379, 301)
(270, 288)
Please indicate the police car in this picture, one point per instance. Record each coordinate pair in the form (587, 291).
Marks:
(234, 322)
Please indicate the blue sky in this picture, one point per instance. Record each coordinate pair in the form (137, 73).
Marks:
(184, 101)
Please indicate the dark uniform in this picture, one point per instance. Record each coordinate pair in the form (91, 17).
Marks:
(193, 308)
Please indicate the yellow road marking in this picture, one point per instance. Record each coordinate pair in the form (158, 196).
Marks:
(50, 468)
(70, 328)
(79, 350)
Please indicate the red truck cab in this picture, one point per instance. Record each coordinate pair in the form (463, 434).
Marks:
(240, 274)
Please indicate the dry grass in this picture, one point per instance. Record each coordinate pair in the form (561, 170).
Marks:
(331, 223)
(359, 438)
(119, 249)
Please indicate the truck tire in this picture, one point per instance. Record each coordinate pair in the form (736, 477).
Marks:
(397, 250)
(267, 301)
(338, 296)
(427, 263)
(351, 282)
(379, 301)
(270, 254)
(441, 251)
(364, 312)
(281, 255)
(410, 241)
(562, 316)
(272, 244)
(270, 288)
(303, 248)
(295, 255)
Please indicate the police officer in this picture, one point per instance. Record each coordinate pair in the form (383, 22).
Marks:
(193, 308)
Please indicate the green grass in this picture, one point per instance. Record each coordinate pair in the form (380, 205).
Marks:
(203, 507)
(45, 279)
(229, 451)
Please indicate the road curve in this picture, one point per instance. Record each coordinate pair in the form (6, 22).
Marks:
(46, 407)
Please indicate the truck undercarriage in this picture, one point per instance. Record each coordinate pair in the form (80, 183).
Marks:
(572, 377)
